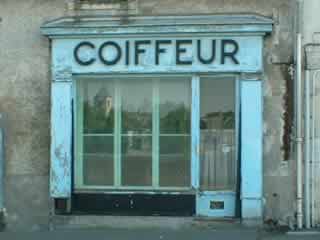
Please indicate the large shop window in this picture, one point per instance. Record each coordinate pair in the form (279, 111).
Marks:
(133, 133)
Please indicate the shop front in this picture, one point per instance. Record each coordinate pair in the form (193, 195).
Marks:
(157, 115)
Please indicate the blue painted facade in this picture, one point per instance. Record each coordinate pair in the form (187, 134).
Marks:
(251, 149)
(61, 138)
(249, 52)
(195, 133)
(247, 30)
(205, 199)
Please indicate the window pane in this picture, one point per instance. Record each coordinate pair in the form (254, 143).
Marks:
(174, 161)
(136, 161)
(98, 160)
(144, 102)
(136, 97)
(217, 140)
(175, 102)
(98, 106)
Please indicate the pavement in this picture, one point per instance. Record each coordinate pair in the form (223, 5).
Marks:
(237, 233)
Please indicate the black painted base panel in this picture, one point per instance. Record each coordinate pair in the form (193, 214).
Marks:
(134, 204)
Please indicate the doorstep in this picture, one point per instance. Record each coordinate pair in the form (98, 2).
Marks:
(304, 232)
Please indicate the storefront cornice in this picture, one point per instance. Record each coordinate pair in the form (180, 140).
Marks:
(157, 25)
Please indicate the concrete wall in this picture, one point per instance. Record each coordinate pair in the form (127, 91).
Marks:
(25, 89)
(24, 97)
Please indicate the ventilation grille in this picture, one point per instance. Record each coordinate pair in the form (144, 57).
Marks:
(216, 205)
(113, 6)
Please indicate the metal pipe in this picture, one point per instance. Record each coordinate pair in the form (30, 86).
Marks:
(299, 135)
(307, 150)
(1, 165)
(299, 141)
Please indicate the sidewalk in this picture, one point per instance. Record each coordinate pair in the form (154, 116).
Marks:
(154, 228)
(156, 234)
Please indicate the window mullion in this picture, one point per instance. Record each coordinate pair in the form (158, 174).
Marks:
(155, 134)
(117, 136)
(195, 132)
(79, 135)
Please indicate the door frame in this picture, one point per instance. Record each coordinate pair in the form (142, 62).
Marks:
(227, 198)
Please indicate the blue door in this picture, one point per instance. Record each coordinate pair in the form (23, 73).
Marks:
(218, 116)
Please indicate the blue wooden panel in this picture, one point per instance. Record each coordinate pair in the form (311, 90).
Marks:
(205, 201)
(61, 133)
(249, 56)
(251, 148)
(251, 208)
(195, 132)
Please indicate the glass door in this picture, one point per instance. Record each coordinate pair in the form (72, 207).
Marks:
(217, 134)
(218, 147)
(133, 133)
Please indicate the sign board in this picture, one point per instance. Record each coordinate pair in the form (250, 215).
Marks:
(162, 54)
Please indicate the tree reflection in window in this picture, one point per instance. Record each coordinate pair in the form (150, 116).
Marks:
(218, 120)
(99, 113)
(176, 120)
(137, 119)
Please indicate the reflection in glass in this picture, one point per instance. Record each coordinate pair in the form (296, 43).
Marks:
(175, 141)
(136, 129)
(175, 161)
(136, 161)
(98, 160)
(175, 101)
(217, 135)
(136, 100)
(98, 106)
(132, 113)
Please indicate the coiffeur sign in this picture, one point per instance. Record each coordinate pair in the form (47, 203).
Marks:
(158, 52)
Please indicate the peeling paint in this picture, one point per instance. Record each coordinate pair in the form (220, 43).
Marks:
(61, 120)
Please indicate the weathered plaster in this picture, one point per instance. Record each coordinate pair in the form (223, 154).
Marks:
(25, 97)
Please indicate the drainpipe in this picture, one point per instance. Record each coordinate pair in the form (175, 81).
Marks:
(1, 165)
(299, 140)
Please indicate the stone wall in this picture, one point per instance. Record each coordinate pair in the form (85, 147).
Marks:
(25, 98)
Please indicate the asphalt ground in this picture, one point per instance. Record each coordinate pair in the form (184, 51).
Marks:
(156, 234)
